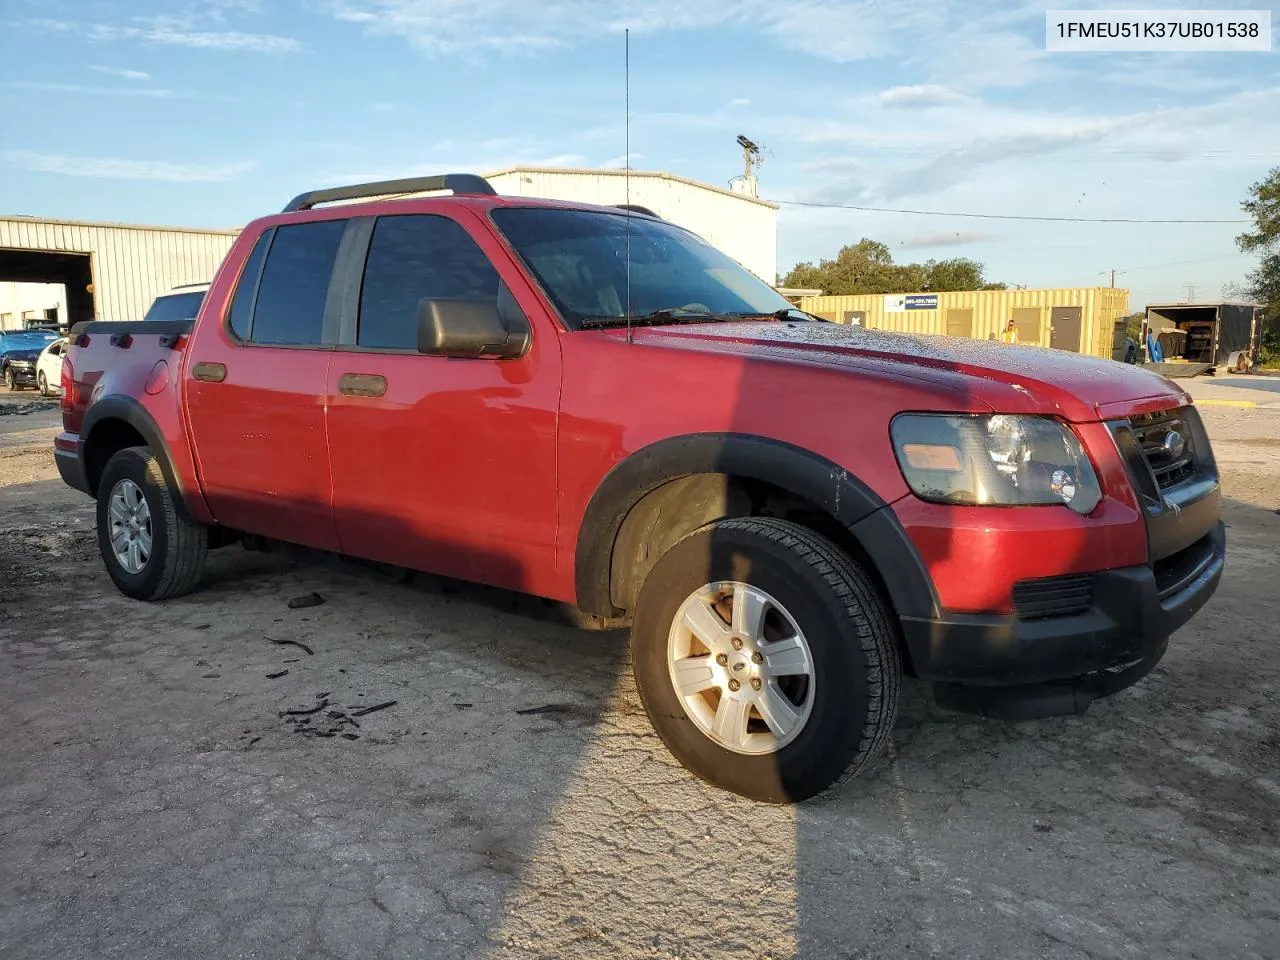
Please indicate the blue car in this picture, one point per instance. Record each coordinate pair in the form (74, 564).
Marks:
(19, 350)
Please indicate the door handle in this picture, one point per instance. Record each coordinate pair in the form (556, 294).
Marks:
(210, 372)
(362, 385)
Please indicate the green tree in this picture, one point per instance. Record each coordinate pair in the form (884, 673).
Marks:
(1263, 283)
(867, 267)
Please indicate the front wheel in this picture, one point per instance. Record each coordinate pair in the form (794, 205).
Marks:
(766, 659)
(151, 551)
(10, 381)
(43, 384)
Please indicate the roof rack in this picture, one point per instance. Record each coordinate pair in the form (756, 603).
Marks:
(636, 208)
(457, 182)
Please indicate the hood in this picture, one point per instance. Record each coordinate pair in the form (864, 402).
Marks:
(21, 353)
(1005, 377)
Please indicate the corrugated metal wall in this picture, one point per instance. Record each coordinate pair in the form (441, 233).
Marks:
(131, 265)
(991, 310)
(743, 227)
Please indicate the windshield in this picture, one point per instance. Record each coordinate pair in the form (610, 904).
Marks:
(176, 306)
(580, 257)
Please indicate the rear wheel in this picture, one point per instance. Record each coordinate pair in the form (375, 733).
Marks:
(151, 551)
(42, 384)
(766, 659)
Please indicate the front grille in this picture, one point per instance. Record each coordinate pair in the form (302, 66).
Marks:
(1167, 446)
(1176, 571)
(1052, 597)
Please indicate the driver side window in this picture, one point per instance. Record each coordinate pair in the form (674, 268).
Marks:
(411, 258)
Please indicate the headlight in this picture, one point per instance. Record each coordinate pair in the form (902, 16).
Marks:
(1001, 460)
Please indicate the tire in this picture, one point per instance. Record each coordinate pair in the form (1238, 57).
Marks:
(42, 384)
(178, 546)
(854, 662)
(10, 380)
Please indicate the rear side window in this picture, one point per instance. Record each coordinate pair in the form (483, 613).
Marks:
(242, 303)
(295, 283)
(411, 258)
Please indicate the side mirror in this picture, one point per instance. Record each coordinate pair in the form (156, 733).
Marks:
(470, 328)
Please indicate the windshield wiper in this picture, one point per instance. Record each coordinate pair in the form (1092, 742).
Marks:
(788, 313)
(666, 315)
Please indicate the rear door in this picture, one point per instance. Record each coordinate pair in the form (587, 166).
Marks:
(445, 465)
(255, 389)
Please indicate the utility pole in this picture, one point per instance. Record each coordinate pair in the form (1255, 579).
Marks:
(1193, 291)
(1113, 277)
(750, 161)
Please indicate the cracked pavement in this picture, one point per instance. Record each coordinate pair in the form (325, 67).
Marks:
(154, 803)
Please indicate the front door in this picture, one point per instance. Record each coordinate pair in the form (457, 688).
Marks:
(1064, 328)
(255, 390)
(444, 465)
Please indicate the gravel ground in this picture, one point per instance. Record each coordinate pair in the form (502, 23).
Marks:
(513, 802)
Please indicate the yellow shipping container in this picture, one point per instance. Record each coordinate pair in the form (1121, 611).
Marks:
(1083, 319)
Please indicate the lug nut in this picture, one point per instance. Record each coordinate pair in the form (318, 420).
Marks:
(722, 659)
(757, 657)
(737, 643)
(734, 685)
(755, 683)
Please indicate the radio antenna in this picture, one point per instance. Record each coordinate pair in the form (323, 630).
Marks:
(626, 160)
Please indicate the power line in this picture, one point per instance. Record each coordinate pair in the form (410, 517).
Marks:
(1177, 263)
(991, 216)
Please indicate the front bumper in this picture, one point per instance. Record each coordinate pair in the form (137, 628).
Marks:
(23, 372)
(1126, 628)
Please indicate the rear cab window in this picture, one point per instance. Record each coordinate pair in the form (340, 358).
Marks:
(282, 292)
(176, 306)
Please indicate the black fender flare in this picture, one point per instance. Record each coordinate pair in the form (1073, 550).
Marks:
(830, 487)
(130, 411)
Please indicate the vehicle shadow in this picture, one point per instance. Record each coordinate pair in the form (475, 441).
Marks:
(1236, 381)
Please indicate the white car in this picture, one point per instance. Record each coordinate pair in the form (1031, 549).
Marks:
(49, 368)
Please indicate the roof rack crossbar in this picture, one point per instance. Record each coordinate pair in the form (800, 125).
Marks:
(636, 208)
(457, 182)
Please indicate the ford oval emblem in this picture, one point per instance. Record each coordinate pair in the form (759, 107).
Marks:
(1174, 444)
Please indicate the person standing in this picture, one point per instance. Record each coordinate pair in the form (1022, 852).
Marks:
(1010, 334)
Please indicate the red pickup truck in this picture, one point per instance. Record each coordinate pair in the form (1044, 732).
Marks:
(593, 405)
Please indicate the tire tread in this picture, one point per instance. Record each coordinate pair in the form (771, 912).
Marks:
(865, 608)
(186, 542)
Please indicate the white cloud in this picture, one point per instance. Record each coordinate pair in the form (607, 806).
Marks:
(116, 169)
(122, 73)
(740, 102)
(618, 163)
(919, 95)
(76, 88)
(171, 31)
(945, 238)
(839, 30)
(479, 163)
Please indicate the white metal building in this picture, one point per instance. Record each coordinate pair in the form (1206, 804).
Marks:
(112, 271)
(744, 227)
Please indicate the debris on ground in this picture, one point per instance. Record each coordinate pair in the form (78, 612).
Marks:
(310, 600)
(548, 708)
(363, 711)
(292, 643)
(277, 676)
(462, 706)
(305, 711)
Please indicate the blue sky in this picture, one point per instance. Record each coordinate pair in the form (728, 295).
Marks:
(211, 113)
